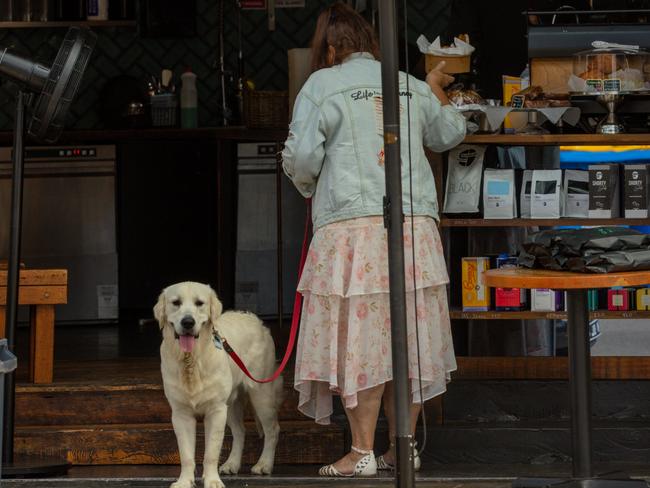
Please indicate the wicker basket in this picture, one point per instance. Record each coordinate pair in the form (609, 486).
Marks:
(266, 109)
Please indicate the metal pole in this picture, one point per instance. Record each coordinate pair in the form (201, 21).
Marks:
(580, 382)
(394, 218)
(12, 275)
(280, 241)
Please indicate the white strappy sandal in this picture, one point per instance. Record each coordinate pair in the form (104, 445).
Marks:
(366, 466)
(384, 466)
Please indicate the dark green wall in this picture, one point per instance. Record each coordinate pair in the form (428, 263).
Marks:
(120, 51)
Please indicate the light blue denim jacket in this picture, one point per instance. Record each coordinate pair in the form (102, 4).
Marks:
(334, 152)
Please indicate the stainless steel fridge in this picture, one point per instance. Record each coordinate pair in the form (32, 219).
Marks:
(69, 222)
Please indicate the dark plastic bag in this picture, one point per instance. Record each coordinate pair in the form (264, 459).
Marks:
(594, 250)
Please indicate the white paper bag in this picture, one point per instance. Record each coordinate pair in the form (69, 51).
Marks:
(524, 200)
(499, 194)
(576, 193)
(463, 188)
(546, 196)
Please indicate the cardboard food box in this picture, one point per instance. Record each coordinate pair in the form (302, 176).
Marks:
(453, 64)
(476, 295)
(618, 299)
(545, 300)
(509, 299)
(592, 300)
(643, 299)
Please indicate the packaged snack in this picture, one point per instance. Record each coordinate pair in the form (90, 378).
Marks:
(476, 295)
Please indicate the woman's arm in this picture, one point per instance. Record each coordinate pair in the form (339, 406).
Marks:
(438, 81)
(443, 126)
(304, 151)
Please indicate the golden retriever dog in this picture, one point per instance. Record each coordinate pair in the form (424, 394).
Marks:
(200, 379)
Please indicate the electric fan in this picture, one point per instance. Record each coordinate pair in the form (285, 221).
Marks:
(47, 94)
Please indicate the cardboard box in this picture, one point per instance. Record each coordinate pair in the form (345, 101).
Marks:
(476, 295)
(643, 299)
(509, 298)
(618, 299)
(545, 300)
(592, 300)
(604, 191)
(511, 85)
(636, 189)
(453, 64)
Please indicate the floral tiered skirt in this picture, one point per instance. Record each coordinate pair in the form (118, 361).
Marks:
(344, 344)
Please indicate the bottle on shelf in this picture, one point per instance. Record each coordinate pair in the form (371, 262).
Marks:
(97, 10)
(189, 100)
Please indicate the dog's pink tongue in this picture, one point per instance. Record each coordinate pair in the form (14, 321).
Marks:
(187, 343)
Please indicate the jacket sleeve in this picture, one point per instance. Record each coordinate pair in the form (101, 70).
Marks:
(304, 150)
(443, 126)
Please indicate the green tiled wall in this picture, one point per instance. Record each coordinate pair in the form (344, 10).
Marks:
(120, 51)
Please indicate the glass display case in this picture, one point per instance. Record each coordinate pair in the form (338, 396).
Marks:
(619, 70)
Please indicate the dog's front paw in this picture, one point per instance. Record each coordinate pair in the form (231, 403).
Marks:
(182, 483)
(229, 467)
(263, 466)
(213, 483)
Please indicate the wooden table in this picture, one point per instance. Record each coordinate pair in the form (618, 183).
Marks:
(576, 285)
(41, 289)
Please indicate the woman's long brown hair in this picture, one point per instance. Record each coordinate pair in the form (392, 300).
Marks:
(341, 27)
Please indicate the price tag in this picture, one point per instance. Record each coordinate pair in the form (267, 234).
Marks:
(594, 85)
(613, 85)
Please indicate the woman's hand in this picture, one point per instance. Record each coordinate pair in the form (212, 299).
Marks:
(438, 81)
(437, 78)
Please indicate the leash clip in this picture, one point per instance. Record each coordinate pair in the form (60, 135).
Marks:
(217, 340)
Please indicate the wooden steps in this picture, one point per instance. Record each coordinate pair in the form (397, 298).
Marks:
(301, 442)
(126, 420)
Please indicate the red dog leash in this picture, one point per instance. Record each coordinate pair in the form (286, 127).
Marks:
(295, 319)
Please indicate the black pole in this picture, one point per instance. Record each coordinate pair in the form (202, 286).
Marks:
(12, 274)
(580, 382)
(279, 241)
(394, 218)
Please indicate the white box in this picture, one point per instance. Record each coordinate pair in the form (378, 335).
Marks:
(545, 300)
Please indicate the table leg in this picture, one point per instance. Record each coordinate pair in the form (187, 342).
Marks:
(580, 382)
(580, 406)
(41, 337)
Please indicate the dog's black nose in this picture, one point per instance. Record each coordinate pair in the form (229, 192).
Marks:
(187, 322)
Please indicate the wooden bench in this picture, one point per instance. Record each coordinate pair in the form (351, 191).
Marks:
(41, 289)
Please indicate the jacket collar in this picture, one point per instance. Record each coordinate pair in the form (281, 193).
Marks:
(359, 55)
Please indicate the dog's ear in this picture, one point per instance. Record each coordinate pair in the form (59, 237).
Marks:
(215, 307)
(159, 310)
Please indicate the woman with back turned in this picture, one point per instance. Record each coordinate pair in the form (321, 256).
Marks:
(334, 154)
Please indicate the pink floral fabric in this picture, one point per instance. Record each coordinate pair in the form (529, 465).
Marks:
(344, 343)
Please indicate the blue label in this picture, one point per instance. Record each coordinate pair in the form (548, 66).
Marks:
(498, 188)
